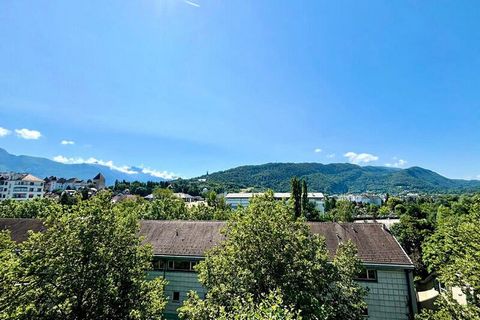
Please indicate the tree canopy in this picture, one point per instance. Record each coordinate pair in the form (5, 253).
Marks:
(268, 250)
(89, 263)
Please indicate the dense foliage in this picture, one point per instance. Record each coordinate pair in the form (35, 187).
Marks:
(137, 187)
(442, 236)
(88, 264)
(267, 307)
(165, 206)
(268, 250)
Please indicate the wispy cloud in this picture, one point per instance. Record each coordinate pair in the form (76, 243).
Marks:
(4, 132)
(111, 165)
(67, 142)
(159, 174)
(331, 155)
(398, 163)
(28, 134)
(317, 150)
(360, 158)
(192, 3)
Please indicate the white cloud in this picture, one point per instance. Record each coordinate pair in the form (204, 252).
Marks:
(4, 132)
(111, 165)
(159, 174)
(360, 158)
(67, 142)
(331, 155)
(399, 163)
(28, 134)
(192, 3)
(317, 150)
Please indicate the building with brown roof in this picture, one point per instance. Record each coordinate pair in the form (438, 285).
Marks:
(179, 245)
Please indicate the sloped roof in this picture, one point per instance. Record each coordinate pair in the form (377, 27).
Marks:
(374, 243)
(19, 176)
(31, 178)
(192, 238)
(99, 176)
(19, 227)
(181, 238)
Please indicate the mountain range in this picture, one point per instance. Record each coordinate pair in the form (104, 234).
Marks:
(329, 178)
(338, 178)
(42, 167)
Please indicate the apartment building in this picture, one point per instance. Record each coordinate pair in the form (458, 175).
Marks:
(243, 198)
(20, 186)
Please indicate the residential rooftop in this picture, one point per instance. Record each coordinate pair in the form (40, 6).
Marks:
(193, 238)
(19, 176)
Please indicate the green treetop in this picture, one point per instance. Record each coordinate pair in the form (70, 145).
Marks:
(268, 250)
(88, 264)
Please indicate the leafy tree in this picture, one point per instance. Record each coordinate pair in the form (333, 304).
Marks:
(448, 309)
(268, 249)
(296, 196)
(67, 199)
(454, 252)
(213, 200)
(205, 212)
(166, 206)
(330, 203)
(88, 264)
(305, 201)
(37, 208)
(344, 211)
(269, 307)
(411, 233)
(8, 265)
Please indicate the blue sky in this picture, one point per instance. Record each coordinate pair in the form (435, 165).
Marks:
(186, 87)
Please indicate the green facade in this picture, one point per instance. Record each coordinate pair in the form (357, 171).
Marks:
(388, 294)
(181, 282)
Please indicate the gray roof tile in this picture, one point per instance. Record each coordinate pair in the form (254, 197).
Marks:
(192, 238)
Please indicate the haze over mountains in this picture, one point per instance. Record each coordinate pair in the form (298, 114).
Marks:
(329, 178)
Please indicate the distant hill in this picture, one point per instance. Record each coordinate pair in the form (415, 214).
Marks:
(338, 178)
(42, 167)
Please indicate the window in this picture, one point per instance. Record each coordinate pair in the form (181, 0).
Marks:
(367, 275)
(159, 265)
(192, 265)
(181, 265)
(176, 296)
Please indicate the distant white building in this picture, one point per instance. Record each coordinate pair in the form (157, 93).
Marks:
(363, 198)
(185, 197)
(20, 186)
(53, 183)
(243, 198)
